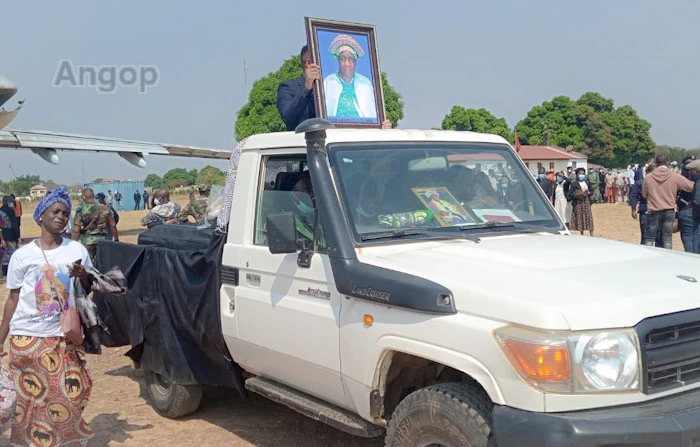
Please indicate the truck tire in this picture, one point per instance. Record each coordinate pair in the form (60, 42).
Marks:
(446, 414)
(172, 400)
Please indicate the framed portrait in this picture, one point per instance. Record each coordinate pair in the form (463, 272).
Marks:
(447, 209)
(349, 93)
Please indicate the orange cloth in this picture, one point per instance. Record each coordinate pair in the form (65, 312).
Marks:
(18, 208)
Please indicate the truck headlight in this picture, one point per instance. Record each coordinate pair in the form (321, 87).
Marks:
(573, 362)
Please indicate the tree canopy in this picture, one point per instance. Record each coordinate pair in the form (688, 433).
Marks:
(21, 185)
(260, 115)
(153, 181)
(591, 125)
(677, 153)
(178, 177)
(476, 120)
(210, 175)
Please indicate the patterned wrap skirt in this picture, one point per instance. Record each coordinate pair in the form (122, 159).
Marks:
(581, 215)
(7, 252)
(53, 387)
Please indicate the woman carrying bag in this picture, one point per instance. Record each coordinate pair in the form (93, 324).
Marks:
(46, 362)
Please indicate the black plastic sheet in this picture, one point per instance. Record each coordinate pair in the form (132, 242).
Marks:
(170, 314)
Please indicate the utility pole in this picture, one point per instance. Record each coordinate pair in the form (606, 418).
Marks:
(245, 73)
(14, 176)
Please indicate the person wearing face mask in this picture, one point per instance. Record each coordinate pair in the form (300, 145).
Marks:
(610, 196)
(163, 212)
(303, 198)
(546, 184)
(580, 192)
(561, 203)
(620, 186)
(509, 193)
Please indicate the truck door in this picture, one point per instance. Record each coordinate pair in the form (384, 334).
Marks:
(287, 317)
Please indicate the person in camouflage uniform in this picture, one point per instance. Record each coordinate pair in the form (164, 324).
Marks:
(91, 221)
(197, 208)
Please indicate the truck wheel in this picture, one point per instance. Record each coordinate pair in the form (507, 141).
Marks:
(172, 400)
(446, 414)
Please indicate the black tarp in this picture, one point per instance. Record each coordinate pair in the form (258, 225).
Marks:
(170, 314)
(187, 237)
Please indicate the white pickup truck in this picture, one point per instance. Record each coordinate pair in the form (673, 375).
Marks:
(404, 294)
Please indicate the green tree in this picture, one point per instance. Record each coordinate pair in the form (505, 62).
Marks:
(21, 185)
(260, 115)
(210, 175)
(393, 105)
(154, 181)
(476, 120)
(591, 125)
(98, 180)
(192, 177)
(597, 102)
(177, 177)
(677, 153)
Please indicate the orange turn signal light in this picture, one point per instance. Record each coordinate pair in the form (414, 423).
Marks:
(368, 320)
(539, 362)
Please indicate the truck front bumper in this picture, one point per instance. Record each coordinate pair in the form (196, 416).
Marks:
(669, 421)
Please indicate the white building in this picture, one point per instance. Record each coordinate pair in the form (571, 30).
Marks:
(549, 157)
(38, 192)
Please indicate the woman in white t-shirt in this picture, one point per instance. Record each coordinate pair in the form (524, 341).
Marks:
(52, 383)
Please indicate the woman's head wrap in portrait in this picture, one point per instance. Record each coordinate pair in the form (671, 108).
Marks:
(58, 194)
(343, 42)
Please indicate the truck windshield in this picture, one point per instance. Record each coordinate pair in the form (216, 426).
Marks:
(444, 187)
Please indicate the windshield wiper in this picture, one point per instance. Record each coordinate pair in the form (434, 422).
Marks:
(397, 234)
(530, 228)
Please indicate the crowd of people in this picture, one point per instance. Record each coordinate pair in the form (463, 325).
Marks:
(49, 371)
(97, 217)
(10, 225)
(662, 196)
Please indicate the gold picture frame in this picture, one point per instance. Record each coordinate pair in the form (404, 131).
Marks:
(448, 211)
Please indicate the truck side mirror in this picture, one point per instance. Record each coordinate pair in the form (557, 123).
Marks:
(281, 233)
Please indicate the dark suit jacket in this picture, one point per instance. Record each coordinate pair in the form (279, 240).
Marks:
(295, 103)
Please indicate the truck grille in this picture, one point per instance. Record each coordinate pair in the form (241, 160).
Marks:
(670, 350)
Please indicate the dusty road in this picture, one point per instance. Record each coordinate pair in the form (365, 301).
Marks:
(119, 414)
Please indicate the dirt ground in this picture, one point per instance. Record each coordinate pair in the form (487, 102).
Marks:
(120, 415)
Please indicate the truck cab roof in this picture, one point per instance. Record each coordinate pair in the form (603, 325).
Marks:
(291, 139)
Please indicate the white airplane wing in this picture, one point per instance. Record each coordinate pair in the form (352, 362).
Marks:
(47, 145)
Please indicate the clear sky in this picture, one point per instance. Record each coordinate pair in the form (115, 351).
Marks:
(505, 56)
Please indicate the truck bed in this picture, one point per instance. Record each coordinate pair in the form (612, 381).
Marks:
(170, 314)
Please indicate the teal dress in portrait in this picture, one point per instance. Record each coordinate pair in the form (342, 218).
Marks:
(347, 99)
